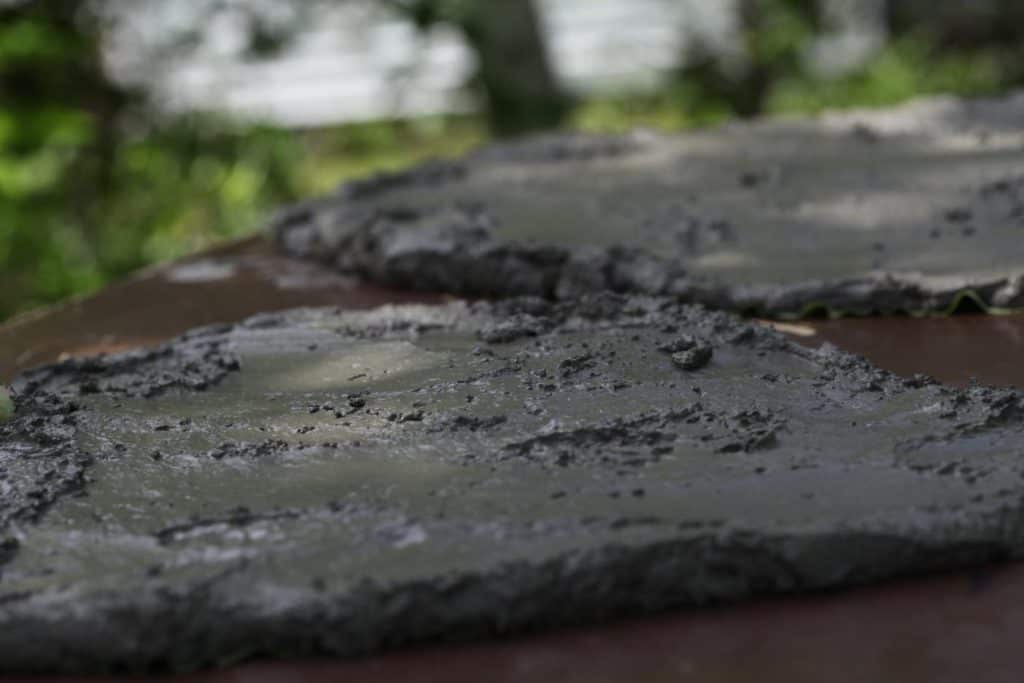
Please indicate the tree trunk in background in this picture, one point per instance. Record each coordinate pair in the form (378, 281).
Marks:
(514, 71)
(65, 76)
(773, 35)
(960, 23)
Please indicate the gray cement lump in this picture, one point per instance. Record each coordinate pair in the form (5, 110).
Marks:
(907, 209)
(337, 483)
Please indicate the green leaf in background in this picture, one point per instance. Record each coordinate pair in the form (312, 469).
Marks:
(6, 405)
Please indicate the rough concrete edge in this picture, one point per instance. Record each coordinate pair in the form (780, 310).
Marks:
(46, 403)
(305, 624)
(446, 609)
(487, 267)
(484, 266)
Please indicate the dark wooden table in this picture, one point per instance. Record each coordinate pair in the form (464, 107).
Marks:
(952, 627)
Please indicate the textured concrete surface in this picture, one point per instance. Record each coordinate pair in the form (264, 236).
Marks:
(907, 209)
(157, 305)
(321, 482)
(947, 629)
(225, 284)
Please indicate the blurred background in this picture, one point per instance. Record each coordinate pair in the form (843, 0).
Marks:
(133, 132)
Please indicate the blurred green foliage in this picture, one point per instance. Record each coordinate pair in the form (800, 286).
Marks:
(94, 184)
(778, 81)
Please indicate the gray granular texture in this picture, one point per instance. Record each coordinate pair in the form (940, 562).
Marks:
(907, 209)
(40, 460)
(319, 482)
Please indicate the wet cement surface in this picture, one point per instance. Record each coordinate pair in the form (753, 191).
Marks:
(908, 209)
(225, 284)
(954, 628)
(323, 482)
(159, 304)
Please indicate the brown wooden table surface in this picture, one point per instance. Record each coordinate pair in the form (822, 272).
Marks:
(953, 627)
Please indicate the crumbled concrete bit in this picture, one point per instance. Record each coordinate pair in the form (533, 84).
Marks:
(907, 209)
(340, 483)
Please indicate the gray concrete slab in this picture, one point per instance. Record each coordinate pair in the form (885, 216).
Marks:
(905, 209)
(338, 482)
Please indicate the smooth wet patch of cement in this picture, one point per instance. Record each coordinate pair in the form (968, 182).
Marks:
(322, 482)
(907, 209)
